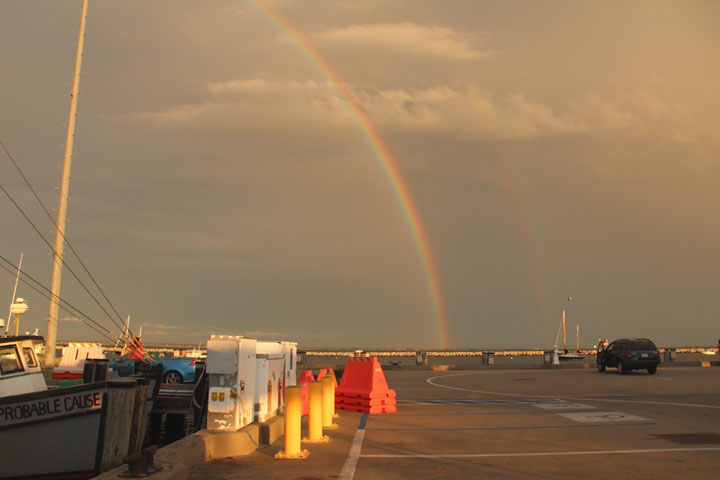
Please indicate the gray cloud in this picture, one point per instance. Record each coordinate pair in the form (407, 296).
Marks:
(433, 42)
(467, 112)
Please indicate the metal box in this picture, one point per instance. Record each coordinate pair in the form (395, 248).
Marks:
(231, 368)
(269, 391)
(289, 351)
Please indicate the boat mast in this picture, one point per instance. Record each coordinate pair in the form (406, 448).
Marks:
(12, 300)
(51, 335)
(578, 338)
(564, 335)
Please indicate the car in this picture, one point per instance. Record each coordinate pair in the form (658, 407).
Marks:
(175, 369)
(628, 354)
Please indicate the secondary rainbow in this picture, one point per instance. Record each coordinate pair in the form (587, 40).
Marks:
(382, 155)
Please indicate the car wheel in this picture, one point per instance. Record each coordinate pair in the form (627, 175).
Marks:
(621, 368)
(601, 367)
(652, 370)
(173, 377)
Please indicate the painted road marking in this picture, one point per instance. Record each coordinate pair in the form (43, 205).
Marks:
(478, 402)
(348, 470)
(563, 406)
(473, 413)
(594, 399)
(545, 454)
(602, 417)
(526, 427)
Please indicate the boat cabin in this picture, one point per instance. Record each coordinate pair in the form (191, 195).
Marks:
(20, 370)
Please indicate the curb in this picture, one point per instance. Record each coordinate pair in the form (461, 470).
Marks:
(180, 457)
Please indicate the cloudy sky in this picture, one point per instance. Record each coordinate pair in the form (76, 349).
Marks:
(553, 149)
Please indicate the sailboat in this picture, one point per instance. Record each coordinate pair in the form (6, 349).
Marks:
(567, 355)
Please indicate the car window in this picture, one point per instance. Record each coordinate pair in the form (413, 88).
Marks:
(642, 345)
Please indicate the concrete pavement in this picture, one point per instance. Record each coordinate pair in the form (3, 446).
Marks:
(515, 424)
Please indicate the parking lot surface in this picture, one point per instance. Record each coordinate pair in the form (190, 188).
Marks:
(515, 424)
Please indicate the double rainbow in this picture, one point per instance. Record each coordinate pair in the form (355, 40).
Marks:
(382, 155)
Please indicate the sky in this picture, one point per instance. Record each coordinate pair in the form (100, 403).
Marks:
(233, 162)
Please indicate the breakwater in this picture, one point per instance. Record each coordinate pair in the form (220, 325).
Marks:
(536, 352)
(180, 349)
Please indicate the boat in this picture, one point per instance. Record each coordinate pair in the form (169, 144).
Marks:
(566, 355)
(68, 432)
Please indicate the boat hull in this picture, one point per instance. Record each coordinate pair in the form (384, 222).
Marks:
(570, 356)
(73, 432)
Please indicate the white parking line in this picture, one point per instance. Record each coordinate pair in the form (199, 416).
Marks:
(348, 470)
(593, 399)
(544, 454)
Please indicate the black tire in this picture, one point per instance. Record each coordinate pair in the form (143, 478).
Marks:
(601, 367)
(652, 370)
(173, 377)
(622, 370)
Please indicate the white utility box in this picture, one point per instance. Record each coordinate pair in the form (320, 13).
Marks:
(269, 391)
(289, 351)
(231, 369)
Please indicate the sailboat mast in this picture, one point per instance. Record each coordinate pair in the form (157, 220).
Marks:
(51, 335)
(564, 335)
(12, 300)
(578, 337)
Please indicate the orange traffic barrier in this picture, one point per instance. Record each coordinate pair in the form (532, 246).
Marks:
(305, 378)
(328, 371)
(363, 388)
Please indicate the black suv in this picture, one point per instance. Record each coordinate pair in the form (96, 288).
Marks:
(627, 354)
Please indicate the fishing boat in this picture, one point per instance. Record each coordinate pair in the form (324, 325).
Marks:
(77, 431)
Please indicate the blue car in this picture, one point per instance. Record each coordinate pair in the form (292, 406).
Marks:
(175, 369)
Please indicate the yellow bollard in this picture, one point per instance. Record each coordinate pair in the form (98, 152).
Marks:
(315, 414)
(328, 402)
(293, 422)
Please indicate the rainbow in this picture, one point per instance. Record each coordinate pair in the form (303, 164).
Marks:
(382, 155)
